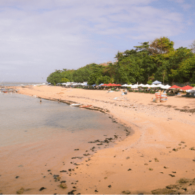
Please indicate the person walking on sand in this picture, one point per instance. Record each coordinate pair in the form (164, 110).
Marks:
(125, 91)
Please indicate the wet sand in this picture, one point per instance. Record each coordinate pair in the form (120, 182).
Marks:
(159, 152)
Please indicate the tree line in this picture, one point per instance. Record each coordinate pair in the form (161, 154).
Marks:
(145, 63)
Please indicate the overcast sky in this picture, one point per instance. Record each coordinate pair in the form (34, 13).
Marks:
(39, 36)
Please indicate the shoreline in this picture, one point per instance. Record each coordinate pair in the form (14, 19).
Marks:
(75, 159)
(155, 143)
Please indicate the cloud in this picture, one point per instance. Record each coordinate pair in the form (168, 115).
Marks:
(41, 36)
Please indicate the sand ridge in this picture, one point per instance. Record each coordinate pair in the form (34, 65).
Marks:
(157, 154)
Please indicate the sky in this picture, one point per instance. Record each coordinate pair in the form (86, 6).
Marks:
(37, 37)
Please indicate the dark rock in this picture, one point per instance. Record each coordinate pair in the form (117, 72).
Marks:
(17, 177)
(183, 181)
(71, 192)
(96, 191)
(63, 185)
(20, 191)
(163, 191)
(126, 192)
(94, 141)
(77, 157)
(56, 178)
(109, 186)
(63, 171)
(129, 170)
(86, 154)
(172, 187)
(185, 189)
(42, 188)
(172, 175)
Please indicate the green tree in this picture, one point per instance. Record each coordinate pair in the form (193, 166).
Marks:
(161, 45)
(64, 80)
(192, 46)
(119, 56)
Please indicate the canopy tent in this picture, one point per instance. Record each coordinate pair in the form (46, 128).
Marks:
(156, 82)
(101, 84)
(175, 87)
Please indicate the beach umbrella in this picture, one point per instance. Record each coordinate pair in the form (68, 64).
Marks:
(93, 85)
(148, 85)
(125, 85)
(165, 87)
(134, 86)
(140, 85)
(175, 87)
(156, 82)
(160, 85)
(187, 87)
(153, 86)
(109, 85)
(84, 84)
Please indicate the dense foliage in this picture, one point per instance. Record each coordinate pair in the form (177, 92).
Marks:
(144, 64)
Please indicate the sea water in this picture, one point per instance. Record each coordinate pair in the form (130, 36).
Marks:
(26, 119)
(36, 136)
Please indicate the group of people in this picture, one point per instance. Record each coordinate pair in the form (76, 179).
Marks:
(160, 96)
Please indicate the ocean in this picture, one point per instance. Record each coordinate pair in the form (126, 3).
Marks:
(36, 136)
(6, 84)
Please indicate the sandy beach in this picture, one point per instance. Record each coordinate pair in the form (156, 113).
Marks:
(158, 153)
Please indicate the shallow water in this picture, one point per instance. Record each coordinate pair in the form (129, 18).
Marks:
(25, 119)
(35, 137)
